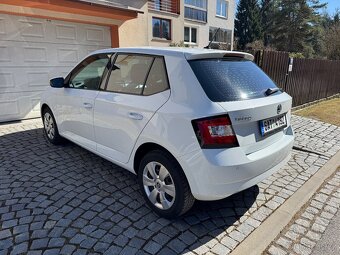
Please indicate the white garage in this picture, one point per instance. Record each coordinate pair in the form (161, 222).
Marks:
(32, 51)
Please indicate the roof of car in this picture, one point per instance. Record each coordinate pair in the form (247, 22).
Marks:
(189, 53)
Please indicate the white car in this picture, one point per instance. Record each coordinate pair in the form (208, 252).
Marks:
(191, 123)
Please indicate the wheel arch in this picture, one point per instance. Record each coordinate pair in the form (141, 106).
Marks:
(145, 148)
(185, 197)
(43, 107)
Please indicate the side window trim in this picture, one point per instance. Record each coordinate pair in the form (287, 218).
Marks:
(166, 72)
(147, 76)
(113, 61)
(107, 71)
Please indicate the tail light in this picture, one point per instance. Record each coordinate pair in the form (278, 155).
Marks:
(215, 132)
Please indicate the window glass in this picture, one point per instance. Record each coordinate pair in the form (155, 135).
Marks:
(88, 74)
(221, 8)
(195, 14)
(165, 29)
(196, 10)
(218, 7)
(156, 27)
(190, 35)
(224, 9)
(231, 79)
(223, 35)
(187, 34)
(193, 35)
(161, 28)
(129, 73)
(197, 3)
(157, 80)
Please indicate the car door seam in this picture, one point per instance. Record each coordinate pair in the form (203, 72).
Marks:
(134, 145)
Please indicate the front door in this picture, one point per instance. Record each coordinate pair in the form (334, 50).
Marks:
(76, 100)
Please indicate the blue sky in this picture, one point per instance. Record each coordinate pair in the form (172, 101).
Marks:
(332, 5)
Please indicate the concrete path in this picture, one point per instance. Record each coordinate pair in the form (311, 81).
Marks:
(308, 226)
(330, 241)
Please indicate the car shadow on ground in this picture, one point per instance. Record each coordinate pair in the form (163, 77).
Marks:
(66, 183)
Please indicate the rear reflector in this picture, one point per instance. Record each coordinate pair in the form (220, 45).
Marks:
(215, 132)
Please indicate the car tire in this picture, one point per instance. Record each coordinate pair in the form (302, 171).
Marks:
(164, 185)
(50, 127)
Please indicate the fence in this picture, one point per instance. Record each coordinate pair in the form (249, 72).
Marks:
(309, 79)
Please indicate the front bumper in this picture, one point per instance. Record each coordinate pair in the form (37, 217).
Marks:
(218, 173)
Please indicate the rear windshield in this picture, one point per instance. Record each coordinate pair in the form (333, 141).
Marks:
(231, 79)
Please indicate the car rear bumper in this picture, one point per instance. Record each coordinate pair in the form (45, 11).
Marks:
(218, 173)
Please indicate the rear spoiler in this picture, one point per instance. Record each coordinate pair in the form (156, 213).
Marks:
(219, 54)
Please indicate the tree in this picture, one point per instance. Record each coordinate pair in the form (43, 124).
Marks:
(296, 24)
(316, 40)
(268, 10)
(248, 23)
(332, 36)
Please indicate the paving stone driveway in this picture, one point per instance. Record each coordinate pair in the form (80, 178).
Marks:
(63, 199)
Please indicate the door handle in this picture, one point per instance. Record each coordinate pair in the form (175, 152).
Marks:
(87, 105)
(135, 116)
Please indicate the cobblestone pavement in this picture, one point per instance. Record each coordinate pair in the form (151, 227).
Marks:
(64, 199)
(305, 230)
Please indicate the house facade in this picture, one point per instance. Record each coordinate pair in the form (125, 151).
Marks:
(43, 39)
(193, 22)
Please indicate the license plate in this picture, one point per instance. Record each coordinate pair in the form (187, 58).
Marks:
(273, 125)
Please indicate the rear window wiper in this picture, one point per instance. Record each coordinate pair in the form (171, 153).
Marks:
(271, 91)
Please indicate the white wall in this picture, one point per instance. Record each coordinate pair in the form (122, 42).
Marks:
(213, 21)
(134, 32)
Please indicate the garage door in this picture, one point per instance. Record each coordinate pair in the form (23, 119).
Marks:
(32, 51)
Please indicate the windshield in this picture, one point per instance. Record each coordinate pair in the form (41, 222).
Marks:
(231, 79)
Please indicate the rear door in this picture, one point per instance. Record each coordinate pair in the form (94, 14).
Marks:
(135, 89)
(259, 116)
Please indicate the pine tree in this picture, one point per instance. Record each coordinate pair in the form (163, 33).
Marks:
(268, 9)
(248, 23)
(337, 17)
(295, 24)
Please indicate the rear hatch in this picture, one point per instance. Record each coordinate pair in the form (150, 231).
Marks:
(259, 112)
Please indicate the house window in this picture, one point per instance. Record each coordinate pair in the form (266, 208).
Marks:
(161, 28)
(220, 35)
(195, 10)
(190, 35)
(222, 8)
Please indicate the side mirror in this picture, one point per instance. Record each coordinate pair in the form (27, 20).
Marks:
(57, 82)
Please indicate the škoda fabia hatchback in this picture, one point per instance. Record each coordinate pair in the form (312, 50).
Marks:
(191, 123)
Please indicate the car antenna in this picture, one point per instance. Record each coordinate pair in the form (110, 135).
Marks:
(212, 39)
